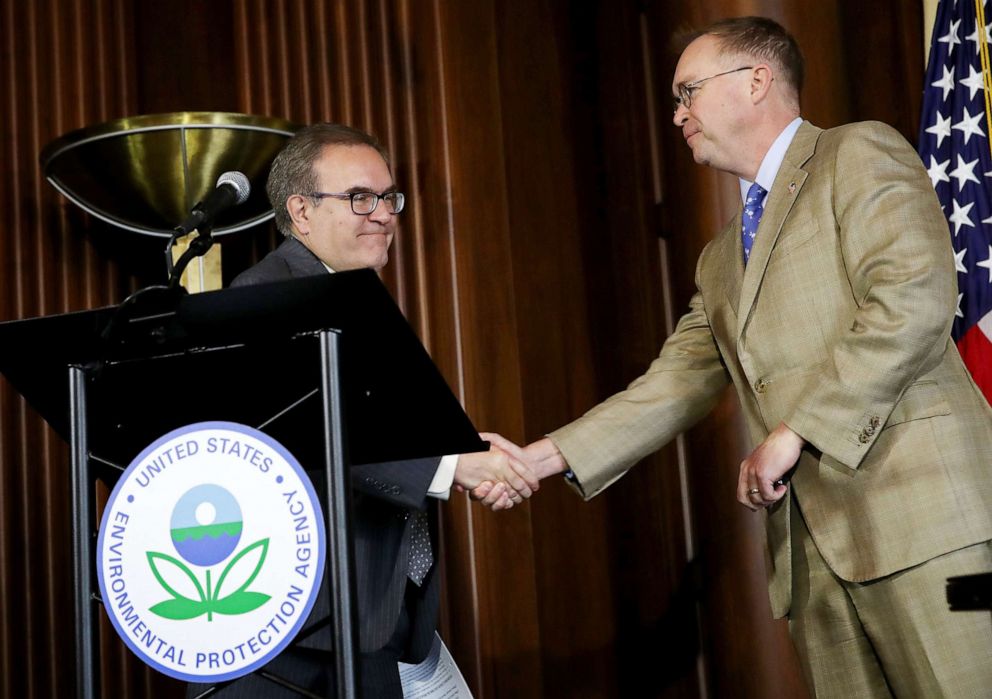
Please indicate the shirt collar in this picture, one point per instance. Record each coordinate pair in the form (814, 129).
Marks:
(773, 159)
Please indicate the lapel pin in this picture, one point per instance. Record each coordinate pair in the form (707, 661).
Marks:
(792, 188)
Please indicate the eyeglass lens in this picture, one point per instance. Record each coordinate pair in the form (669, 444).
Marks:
(365, 202)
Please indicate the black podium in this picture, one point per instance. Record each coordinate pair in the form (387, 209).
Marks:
(327, 366)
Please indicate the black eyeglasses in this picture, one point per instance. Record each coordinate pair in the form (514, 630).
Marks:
(364, 203)
(684, 98)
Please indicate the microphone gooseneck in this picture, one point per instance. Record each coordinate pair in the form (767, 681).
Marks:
(232, 189)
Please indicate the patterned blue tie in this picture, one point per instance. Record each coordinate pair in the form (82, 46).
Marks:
(753, 208)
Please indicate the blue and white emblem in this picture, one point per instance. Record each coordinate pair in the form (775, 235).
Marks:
(211, 552)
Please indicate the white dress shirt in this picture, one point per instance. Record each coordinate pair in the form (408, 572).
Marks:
(772, 160)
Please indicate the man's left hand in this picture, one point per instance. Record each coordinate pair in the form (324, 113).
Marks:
(766, 464)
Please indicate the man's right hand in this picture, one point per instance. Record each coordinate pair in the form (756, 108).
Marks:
(538, 459)
(504, 485)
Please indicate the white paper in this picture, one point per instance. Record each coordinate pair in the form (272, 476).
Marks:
(437, 677)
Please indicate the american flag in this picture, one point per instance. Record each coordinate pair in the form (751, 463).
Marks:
(954, 145)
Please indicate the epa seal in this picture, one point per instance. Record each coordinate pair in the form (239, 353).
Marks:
(211, 552)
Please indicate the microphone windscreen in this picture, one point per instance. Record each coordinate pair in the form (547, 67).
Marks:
(238, 180)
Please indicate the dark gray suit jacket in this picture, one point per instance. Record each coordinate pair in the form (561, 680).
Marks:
(384, 496)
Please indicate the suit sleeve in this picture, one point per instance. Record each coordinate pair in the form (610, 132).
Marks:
(401, 483)
(899, 263)
(678, 389)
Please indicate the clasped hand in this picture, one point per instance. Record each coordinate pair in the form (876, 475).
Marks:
(490, 478)
(527, 467)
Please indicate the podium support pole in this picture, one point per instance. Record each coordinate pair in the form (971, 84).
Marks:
(338, 521)
(87, 675)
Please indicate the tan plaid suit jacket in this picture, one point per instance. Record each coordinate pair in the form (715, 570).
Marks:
(839, 327)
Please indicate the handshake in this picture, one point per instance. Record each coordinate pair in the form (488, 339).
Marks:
(507, 474)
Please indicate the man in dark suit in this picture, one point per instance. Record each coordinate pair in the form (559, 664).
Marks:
(336, 203)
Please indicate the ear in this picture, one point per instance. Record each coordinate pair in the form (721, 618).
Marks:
(761, 82)
(298, 208)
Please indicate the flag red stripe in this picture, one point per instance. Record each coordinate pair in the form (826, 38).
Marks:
(976, 350)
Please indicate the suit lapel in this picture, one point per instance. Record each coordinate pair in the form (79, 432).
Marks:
(731, 253)
(785, 190)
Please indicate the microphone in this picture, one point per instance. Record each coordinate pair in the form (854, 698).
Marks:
(232, 189)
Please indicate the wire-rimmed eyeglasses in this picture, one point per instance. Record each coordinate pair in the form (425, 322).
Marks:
(684, 98)
(364, 203)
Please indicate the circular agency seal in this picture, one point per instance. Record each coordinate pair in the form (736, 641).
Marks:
(211, 551)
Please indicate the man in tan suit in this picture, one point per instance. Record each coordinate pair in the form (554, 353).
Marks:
(827, 302)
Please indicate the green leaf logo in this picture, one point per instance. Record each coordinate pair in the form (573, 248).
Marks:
(241, 570)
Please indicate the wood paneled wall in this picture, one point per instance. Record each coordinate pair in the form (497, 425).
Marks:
(547, 250)
(64, 65)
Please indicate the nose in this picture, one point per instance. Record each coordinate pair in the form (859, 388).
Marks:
(381, 213)
(680, 115)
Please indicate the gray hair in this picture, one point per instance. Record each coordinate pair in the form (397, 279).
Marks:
(292, 171)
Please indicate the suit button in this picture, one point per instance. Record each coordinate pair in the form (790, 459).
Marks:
(875, 422)
(760, 386)
(864, 437)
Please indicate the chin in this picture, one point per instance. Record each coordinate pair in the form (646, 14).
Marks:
(699, 155)
(377, 260)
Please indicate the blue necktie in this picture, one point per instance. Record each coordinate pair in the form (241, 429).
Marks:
(753, 208)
